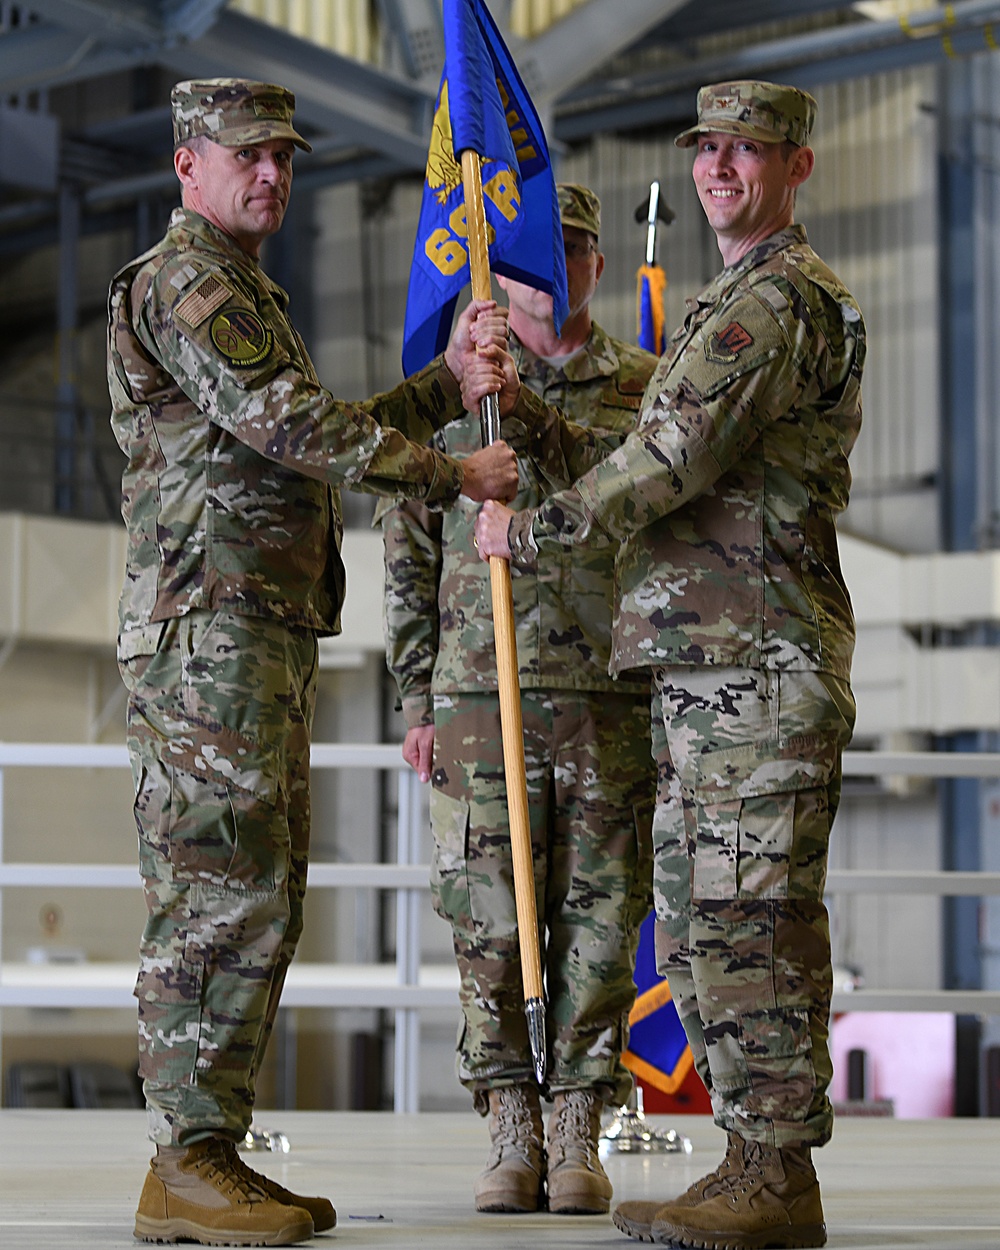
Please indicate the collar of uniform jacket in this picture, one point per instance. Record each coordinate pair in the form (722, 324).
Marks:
(597, 358)
(720, 286)
(215, 239)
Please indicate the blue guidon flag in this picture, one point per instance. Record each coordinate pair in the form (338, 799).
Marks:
(483, 105)
(651, 332)
(658, 1053)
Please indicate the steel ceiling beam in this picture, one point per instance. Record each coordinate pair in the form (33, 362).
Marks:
(333, 94)
(728, 15)
(833, 55)
(576, 46)
(418, 27)
(108, 21)
(363, 118)
(81, 39)
(123, 22)
(41, 56)
(359, 103)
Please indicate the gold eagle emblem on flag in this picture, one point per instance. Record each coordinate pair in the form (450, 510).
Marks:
(444, 173)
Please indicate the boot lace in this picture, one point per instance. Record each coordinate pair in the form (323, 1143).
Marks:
(222, 1167)
(575, 1129)
(512, 1127)
(750, 1175)
(716, 1182)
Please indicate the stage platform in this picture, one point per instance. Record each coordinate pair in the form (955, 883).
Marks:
(69, 1180)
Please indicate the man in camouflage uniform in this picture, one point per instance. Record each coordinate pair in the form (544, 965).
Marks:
(589, 770)
(235, 456)
(722, 509)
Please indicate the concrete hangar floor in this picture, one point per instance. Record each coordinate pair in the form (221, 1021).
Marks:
(70, 1180)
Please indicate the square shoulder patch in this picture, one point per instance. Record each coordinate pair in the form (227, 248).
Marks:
(745, 331)
(739, 339)
(208, 294)
(725, 345)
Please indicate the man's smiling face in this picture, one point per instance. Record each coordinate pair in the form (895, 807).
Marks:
(747, 187)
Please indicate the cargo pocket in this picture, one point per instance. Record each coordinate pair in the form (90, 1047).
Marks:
(210, 805)
(449, 866)
(225, 836)
(765, 1061)
(777, 1050)
(758, 817)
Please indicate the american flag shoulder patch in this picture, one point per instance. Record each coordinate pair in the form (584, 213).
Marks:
(208, 294)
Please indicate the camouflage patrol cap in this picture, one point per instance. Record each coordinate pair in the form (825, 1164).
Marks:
(767, 111)
(580, 207)
(233, 112)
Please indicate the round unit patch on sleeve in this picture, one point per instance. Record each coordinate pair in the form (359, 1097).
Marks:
(240, 337)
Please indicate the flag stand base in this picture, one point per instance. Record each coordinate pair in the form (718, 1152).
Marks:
(631, 1133)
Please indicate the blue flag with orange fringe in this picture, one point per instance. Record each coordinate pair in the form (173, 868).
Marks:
(651, 283)
(482, 104)
(658, 1053)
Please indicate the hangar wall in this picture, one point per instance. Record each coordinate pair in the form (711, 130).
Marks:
(871, 210)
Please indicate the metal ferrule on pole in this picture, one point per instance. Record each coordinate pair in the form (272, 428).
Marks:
(534, 1010)
(654, 196)
(489, 419)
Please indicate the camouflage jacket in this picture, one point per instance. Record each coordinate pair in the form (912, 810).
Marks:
(722, 505)
(235, 452)
(438, 608)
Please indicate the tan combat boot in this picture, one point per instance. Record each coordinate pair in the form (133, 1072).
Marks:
(512, 1179)
(577, 1183)
(635, 1218)
(773, 1200)
(203, 1193)
(324, 1217)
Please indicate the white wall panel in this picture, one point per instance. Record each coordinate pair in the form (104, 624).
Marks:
(895, 942)
(871, 212)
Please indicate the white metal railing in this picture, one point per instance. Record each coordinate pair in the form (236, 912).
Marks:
(404, 987)
(400, 987)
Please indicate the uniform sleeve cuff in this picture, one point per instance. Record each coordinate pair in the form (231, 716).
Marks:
(446, 485)
(417, 711)
(523, 547)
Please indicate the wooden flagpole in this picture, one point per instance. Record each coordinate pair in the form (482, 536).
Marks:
(511, 728)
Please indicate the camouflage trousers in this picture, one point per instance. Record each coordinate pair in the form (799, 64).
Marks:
(219, 715)
(749, 775)
(590, 793)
